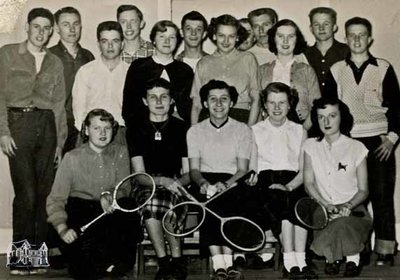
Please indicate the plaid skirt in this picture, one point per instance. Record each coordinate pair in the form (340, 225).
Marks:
(162, 201)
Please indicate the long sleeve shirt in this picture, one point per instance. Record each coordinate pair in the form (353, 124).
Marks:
(71, 66)
(96, 86)
(85, 174)
(22, 86)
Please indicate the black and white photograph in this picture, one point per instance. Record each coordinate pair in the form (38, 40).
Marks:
(199, 139)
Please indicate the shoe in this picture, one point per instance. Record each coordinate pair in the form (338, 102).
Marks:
(294, 273)
(308, 273)
(38, 271)
(258, 263)
(234, 274)
(219, 274)
(178, 268)
(239, 262)
(384, 260)
(332, 268)
(352, 270)
(22, 271)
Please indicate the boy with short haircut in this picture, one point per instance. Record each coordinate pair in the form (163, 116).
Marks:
(261, 21)
(194, 31)
(33, 127)
(326, 50)
(369, 87)
(100, 83)
(73, 56)
(131, 19)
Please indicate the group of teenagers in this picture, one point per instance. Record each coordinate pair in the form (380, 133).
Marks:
(319, 121)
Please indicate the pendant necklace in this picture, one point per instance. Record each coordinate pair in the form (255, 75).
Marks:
(157, 133)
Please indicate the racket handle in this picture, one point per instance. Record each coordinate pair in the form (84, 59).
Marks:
(85, 227)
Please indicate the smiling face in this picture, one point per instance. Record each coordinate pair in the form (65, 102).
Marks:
(39, 31)
(131, 24)
(261, 24)
(110, 44)
(322, 27)
(329, 120)
(218, 103)
(225, 38)
(99, 132)
(158, 101)
(285, 40)
(69, 27)
(193, 32)
(165, 42)
(358, 38)
(277, 106)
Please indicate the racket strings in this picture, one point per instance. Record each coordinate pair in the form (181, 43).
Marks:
(243, 234)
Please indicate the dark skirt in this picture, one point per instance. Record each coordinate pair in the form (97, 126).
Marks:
(276, 205)
(342, 237)
(225, 206)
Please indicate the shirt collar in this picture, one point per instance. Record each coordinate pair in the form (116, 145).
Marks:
(371, 60)
(268, 123)
(23, 48)
(234, 52)
(338, 142)
(156, 60)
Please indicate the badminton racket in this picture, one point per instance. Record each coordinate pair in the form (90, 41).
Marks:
(131, 194)
(242, 233)
(314, 215)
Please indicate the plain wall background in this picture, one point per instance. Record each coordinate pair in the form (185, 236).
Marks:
(384, 15)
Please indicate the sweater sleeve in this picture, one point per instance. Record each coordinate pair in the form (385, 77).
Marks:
(60, 191)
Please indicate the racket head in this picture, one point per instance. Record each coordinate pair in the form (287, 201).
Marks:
(242, 233)
(133, 192)
(311, 213)
(195, 215)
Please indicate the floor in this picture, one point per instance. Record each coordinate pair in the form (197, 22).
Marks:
(196, 273)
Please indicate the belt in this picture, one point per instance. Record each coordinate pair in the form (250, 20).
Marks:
(23, 109)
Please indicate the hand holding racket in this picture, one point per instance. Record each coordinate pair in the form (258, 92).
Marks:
(314, 215)
(131, 194)
(241, 233)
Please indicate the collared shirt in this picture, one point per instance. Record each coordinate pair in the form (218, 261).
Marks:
(85, 174)
(335, 167)
(379, 95)
(146, 49)
(192, 62)
(21, 86)
(321, 63)
(219, 148)
(278, 147)
(97, 87)
(71, 66)
(238, 69)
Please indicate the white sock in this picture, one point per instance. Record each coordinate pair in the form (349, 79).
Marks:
(266, 256)
(289, 260)
(237, 255)
(353, 258)
(300, 259)
(218, 262)
(228, 260)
